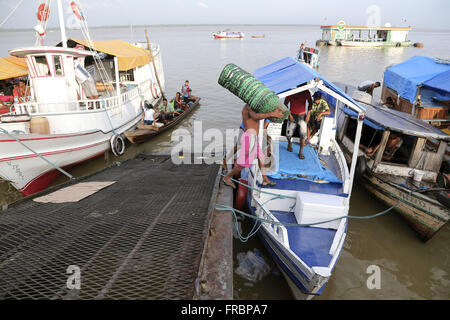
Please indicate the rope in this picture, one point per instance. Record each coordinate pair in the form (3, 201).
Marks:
(49, 162)
(253, 231)
(11, 13)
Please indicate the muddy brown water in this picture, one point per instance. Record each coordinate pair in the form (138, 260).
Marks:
(410, 269)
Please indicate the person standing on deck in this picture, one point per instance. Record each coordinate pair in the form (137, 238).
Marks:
(186, 92)
(249, 144)
(314, 117)
(297, 105)
(368, 86)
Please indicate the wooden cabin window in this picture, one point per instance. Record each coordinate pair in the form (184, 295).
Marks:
(57, 62)
(42, 68)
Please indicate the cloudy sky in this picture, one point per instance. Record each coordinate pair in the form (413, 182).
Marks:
(430, 14)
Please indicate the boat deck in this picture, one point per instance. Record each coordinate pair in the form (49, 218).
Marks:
(140, 237)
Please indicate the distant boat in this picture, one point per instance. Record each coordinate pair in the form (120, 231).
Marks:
(308, 56)
(355, 36)
(228, 34)
(259, 36)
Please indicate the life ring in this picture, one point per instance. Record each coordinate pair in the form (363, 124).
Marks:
(76, 10)
(241, 195)
(117, 145)
(43, 12)
(154, 90)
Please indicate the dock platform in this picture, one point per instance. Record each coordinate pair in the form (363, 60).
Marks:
(135, 231)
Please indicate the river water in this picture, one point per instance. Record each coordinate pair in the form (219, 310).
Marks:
(410, 269)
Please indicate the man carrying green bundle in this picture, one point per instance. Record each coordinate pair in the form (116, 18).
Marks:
(250, 147)
(318, 110)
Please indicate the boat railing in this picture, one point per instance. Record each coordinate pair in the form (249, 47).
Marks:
(111, 104)
(276, 230)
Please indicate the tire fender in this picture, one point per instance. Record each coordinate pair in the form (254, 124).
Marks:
(117, 145)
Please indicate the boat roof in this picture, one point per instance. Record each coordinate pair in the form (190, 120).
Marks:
(382, 118)
(128, 56)
(368, 28)
(287, 74)
(22, 52)
(417, 71)
(12, 67)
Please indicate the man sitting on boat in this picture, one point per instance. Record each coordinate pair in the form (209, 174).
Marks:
(394, 142)
(167, 111)
(314, 117)
(149, 115)
(186, 91)
(179, 104)
(250, 147)
(368, 86)
(297, 105)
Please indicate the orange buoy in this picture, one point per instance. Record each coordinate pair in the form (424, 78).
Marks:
(241, 195)
(43, 12)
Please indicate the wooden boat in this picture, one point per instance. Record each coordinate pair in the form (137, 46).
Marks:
(144, 132)
(419, 86)
(408, 179)
(259, 36)
(309, 191)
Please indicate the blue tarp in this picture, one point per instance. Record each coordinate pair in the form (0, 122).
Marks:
(310, 168)
(286, 74)
(406, 76)
(440, 82)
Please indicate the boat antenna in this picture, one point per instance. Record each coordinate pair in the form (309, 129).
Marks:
(11, 13)
(149, 47)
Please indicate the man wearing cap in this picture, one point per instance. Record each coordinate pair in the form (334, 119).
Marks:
(318, 110)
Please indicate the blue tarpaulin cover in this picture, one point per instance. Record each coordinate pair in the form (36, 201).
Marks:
(419, 70)
(440, 82)
(310, 168)
(286, 74)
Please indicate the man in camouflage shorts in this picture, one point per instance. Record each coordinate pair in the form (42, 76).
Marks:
(318, 110)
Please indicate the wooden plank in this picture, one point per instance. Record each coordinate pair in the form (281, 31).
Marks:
(417, 152)
(379, 155)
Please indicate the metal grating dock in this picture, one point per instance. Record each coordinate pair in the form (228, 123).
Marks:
(140, 238)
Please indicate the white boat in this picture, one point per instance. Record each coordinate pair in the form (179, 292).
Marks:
(228, 34)
(59, 126)
(308, 191)
(309, 56)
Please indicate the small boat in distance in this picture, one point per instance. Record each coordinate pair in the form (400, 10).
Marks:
(144, 132)
(259, 36)
(308, 56)
(228, 34)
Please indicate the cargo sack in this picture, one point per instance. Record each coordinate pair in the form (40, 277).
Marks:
(252, 91)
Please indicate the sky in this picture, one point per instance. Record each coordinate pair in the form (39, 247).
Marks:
(429, 14)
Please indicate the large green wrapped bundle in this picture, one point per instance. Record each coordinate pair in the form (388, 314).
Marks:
(252, 91)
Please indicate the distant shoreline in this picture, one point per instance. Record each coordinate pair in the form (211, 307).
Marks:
(220, 26)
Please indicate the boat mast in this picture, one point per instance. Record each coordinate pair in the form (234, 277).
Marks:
(61, 24)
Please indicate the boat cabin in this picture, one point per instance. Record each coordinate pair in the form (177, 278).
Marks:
(309, 56)
(358, 35)
(394, 143)
(419, 86)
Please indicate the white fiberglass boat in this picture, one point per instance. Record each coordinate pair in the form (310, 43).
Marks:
(308, 191)
(58, 126)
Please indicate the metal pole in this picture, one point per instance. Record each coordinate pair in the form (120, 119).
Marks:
(355, 154)
(61, 24)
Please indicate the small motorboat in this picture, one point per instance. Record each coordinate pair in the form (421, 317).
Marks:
(228, 34)
(144, 132)
(259, 36)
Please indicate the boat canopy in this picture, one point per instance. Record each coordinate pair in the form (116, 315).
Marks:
(287, 74)
(12, 67)
(128, 55)
(405, 77)
(383, 118)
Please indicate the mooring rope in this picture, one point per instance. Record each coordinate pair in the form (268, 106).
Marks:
(259, 220)
(40, 156)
